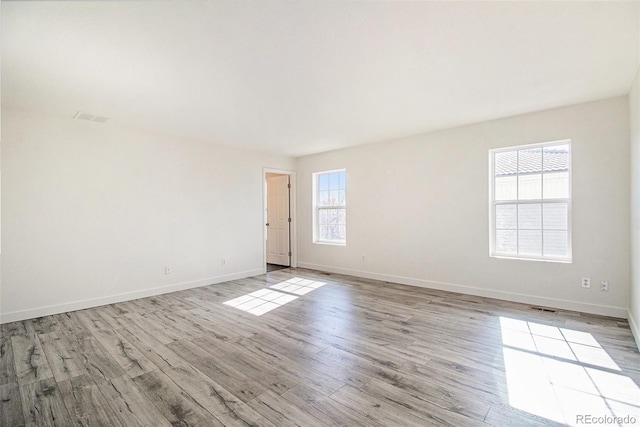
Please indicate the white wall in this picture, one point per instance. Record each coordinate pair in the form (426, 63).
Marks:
(418, 210)
(634, 297)
(92, 213)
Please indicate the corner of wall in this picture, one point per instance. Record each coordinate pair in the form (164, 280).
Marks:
(634, 216)
(635, 330)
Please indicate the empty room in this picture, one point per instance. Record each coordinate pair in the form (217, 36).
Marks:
(320, 213)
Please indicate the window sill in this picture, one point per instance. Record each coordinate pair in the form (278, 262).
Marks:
(559, 261)
(322, 242)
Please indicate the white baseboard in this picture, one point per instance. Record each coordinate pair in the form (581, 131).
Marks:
(603, 310)
(635, 329)
(127, 296)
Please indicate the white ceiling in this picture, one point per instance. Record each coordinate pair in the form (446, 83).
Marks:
(302, 77)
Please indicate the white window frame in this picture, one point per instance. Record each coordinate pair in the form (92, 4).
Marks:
(317, 209)
(493, 203)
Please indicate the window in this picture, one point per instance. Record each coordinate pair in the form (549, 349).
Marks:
(330, 207)
(530, 194)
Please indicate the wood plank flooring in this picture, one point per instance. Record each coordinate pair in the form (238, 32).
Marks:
(297, 347)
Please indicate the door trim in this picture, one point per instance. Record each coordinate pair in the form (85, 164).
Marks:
(292, 209)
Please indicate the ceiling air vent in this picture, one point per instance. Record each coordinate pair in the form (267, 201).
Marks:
(84, 116)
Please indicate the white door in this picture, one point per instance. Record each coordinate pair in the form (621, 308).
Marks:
(278, 220)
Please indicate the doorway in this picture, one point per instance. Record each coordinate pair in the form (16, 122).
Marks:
(279, 219)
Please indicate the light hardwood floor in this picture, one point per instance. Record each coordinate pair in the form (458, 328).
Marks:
(344, 352)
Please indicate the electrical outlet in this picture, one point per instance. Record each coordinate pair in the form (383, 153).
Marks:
(167, 270)
(223, 262)
(604, 285)
(363, 257)
(586, 282)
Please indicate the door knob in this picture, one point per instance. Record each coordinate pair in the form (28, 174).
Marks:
(267, 224)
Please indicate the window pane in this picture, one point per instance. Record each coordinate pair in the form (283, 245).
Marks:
(507, 242)
(529, 187)
(506, 188)
(333, 197)
(506, 217)
(556, 158)
(530, 216)
(342, 216)
(324, 232)
(332, 216)
(328, 201)
(530, 160)
(556, 185)
(323, 182)
(332, 232)
(334, 181)
(530, 242)
(525, 182)
(555, 216)
(342, 232)
(322, 216)
(506, 163)
(332, 223)
(555, 243)
(324, 199)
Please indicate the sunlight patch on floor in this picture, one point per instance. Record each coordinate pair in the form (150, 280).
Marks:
(297, 286)
(562, 374)
(264, 300)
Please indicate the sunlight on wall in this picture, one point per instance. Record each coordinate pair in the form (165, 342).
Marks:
(264, 300)
(562, 374)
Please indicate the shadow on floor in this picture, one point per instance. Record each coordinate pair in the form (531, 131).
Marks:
(275, 267)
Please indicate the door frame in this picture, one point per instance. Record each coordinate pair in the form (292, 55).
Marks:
(292, 210)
